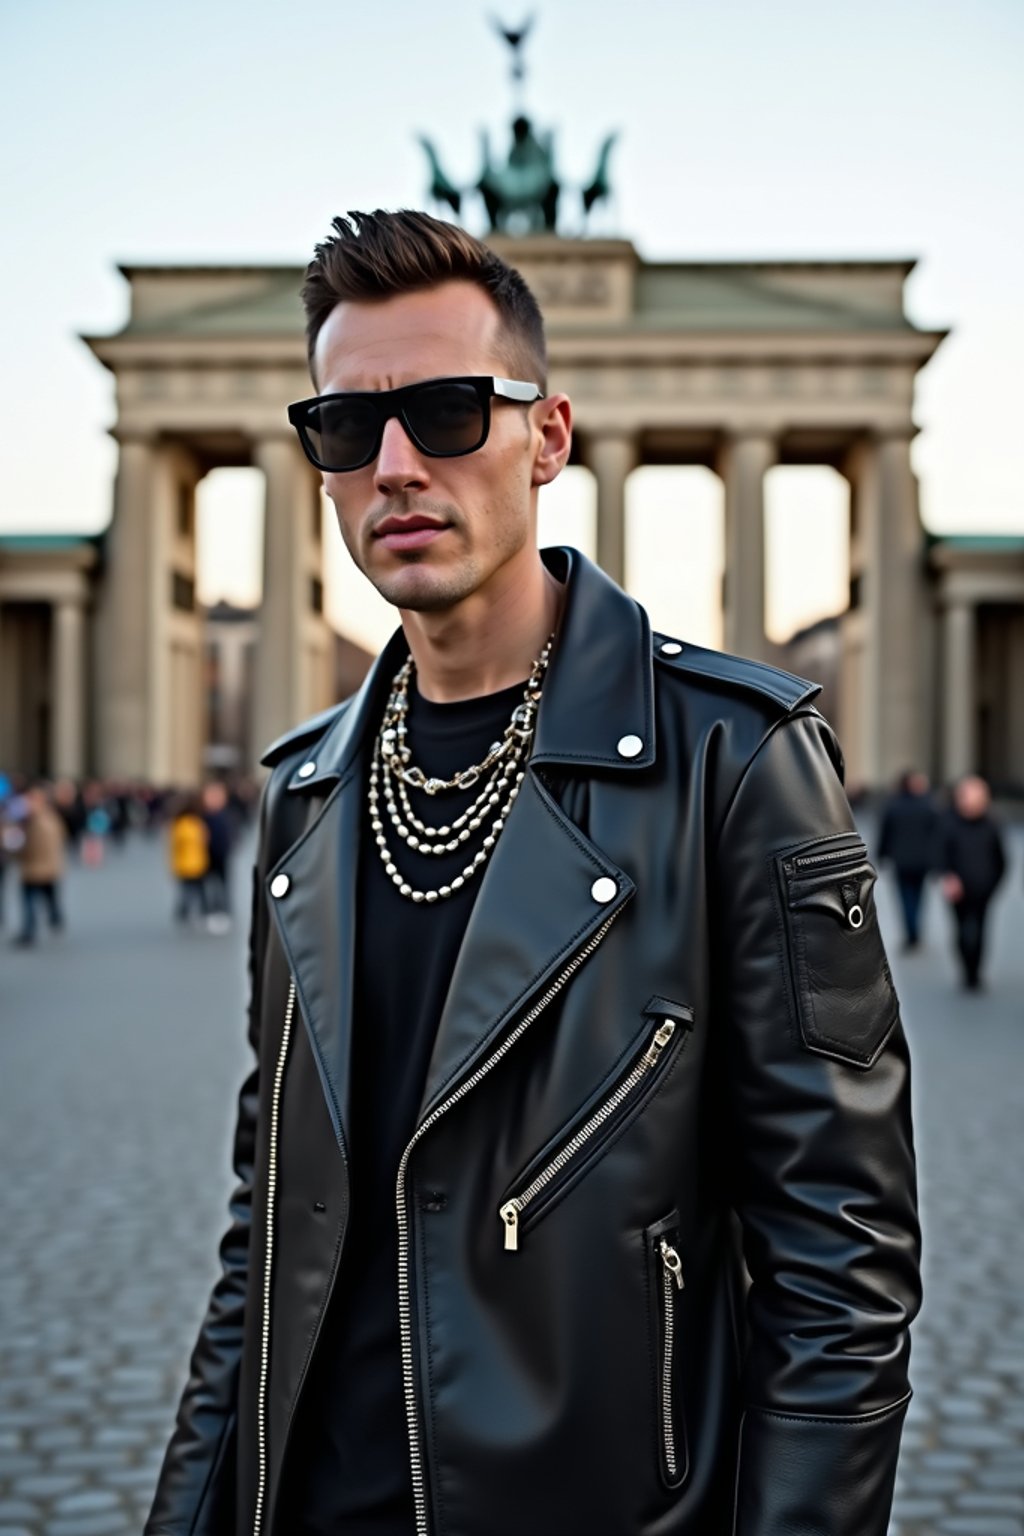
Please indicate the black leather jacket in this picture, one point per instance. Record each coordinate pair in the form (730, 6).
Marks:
(658, 1243)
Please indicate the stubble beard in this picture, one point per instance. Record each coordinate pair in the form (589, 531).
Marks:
(439, 590)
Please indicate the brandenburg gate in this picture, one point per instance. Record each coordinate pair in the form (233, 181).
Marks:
(738, 366)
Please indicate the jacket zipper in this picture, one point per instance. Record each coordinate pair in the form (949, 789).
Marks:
(834, 856)
(261, 1399)
(511, 1211)
(404, 1304)
(671, 1281)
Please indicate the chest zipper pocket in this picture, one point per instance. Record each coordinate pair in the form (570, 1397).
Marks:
(646, 1070)
(666, 1285)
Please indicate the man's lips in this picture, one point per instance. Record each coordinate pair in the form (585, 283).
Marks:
(409, 532)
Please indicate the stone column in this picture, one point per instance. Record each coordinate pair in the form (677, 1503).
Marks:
(744, 461)
(894, 610)
(281, 685)
(68, 688)
(612, 458)
(126, 641)
(959, 744)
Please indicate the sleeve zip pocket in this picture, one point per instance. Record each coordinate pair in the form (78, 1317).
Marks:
(842, 990)
(647, 1068)
(666, 1286)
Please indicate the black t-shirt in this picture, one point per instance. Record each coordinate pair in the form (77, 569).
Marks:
(350, 1473)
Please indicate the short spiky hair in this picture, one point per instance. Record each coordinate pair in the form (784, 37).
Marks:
(379, 255)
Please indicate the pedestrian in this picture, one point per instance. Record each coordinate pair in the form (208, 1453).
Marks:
(566, 972)
(909, 840)
(70, 807)
(118, 803)
(188, 848)
(97, 825)
(41, 865)
(220, 834)
(973, 861)
(11, 835)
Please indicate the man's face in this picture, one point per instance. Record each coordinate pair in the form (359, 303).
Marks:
(972, 797)
(463, 518)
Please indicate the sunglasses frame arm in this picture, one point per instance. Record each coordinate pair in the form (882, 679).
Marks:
(515, 389)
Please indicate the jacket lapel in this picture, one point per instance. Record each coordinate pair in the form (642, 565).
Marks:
(316, 916)
(315, 921)
(539, 905)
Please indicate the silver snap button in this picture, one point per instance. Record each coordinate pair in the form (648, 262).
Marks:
(306, 770)
(279, 886)
(856, 917)
(671, 648)
(604, 890)
(630, 746)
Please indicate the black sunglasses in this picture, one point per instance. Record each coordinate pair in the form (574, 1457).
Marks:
(444, 418)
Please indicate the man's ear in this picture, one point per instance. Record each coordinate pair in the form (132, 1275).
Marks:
(552, 419)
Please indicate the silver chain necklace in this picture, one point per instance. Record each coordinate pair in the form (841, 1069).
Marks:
(393, 773)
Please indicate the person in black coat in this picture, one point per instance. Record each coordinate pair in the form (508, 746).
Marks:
(909, 836)
(221, 833)
(974, 861)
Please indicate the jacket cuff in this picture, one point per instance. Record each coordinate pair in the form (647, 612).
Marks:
(809, 1475)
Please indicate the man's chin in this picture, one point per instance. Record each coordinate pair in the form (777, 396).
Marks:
(419, 587)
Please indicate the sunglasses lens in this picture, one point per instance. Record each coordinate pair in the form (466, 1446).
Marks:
(446, 418)
(341, 432)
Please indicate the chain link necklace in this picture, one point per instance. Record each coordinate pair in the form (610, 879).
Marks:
(500, 773)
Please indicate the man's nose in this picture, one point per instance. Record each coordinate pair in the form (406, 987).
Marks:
(400, 465)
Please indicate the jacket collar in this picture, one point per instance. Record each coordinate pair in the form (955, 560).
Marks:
(598, 697)
(599, 691)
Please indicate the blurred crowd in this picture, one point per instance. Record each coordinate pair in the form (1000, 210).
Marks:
(955, 839)
(951, 838)
(43, 825)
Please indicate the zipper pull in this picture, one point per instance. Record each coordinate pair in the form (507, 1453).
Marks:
(672, 1262)
(509, 1214)
(662, 1035)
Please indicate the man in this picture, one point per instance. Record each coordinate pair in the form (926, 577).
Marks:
(566, 981)
(909, 838)
(974, 861)
(41, 861)
(220, 836)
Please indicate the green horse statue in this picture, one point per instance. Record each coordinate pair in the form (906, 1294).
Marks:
(521, 196)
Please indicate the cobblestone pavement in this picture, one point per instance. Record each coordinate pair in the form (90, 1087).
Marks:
(121, 1047)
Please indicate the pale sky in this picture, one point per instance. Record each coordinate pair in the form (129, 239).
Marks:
(233, 131)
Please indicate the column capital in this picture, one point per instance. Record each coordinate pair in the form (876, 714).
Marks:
(901, 432)
(134, 437)
(755, 452)
(280, 437)
(733, 435)
(624, 445)
(609, 434)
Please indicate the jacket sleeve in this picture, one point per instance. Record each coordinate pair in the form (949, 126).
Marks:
(195, 1493)
(823, 1170)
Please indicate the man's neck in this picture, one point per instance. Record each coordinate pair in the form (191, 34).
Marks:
(491, 640)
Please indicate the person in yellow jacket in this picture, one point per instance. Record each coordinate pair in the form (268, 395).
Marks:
(189, 858)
